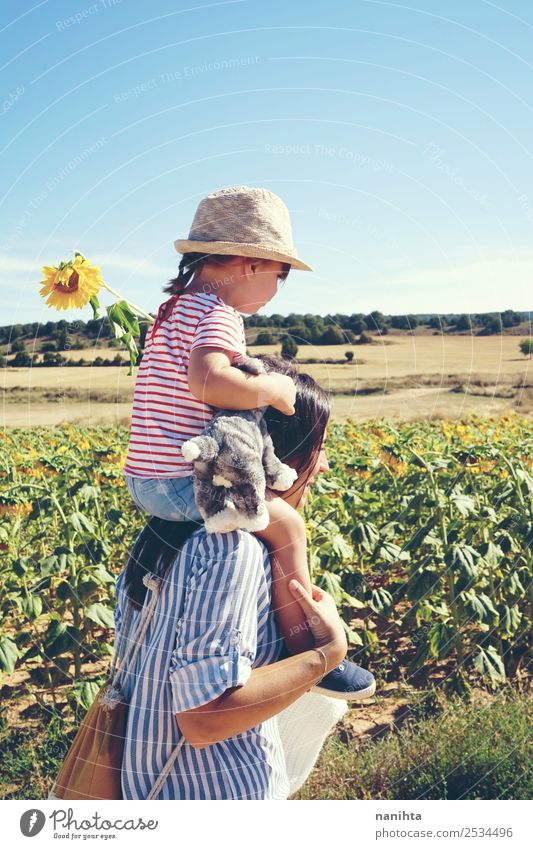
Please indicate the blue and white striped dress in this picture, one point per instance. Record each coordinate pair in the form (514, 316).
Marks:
(213, 623)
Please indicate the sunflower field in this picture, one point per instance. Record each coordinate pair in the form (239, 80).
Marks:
(421, 531)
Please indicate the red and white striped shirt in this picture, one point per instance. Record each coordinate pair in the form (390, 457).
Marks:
(165, 412)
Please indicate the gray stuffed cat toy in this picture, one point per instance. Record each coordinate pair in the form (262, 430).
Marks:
(234, 461)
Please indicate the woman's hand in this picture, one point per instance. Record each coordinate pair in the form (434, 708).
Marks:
(323, 620)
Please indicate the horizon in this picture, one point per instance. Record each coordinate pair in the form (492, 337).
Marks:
(419, 315)
(398, 137)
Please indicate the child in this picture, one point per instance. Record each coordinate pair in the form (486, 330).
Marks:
(239, 248)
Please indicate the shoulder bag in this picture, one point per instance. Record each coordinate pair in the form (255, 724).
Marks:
(93, 765)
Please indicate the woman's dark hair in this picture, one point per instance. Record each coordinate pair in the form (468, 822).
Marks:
(296, 438)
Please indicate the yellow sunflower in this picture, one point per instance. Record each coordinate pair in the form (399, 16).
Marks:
(70, 285)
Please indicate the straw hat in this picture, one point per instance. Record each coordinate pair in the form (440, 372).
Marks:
(243, 221)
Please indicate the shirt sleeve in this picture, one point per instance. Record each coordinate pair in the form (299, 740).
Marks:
(216, 636)
(221, 328)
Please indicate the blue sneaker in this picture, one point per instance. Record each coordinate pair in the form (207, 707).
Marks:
(347, 681)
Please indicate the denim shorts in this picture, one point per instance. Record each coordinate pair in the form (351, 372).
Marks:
(167, 498)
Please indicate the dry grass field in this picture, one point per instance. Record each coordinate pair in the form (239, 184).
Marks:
(408, 377)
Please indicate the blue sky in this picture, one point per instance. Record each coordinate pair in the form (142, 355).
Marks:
(398, 135)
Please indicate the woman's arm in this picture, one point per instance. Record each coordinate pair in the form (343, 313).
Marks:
(267, 692)
(270, 689)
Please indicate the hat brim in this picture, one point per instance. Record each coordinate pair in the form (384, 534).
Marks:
(184, 246)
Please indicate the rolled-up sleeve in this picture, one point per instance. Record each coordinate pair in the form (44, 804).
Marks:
(216, 636)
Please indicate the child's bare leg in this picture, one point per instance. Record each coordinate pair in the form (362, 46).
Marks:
(286, 540)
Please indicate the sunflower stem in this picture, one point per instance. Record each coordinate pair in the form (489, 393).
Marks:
(130, 304)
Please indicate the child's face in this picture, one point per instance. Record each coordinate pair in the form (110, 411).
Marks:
(258, 284)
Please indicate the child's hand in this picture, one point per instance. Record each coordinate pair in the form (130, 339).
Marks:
(281, 393)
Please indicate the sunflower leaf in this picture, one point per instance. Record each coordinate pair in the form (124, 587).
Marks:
(8, 654)
(125, 326)
(85, 692)
(123, 319)
(95, 303)
(489, 664)
(101, 614)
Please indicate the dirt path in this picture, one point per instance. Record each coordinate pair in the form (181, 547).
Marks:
(421, 403)
(51, 415)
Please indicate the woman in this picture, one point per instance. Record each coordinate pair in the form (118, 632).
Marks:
(209, 671)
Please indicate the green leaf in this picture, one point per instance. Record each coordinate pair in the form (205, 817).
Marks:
(510, 618)
(390, 529)
(488, 513)
(381, 600)
(420, 657)
(526, 478)
(88, 492)
(49, 565)
(33, 651)
(464, 503)
(479, 608)
(489, 664)
(464, 559)
(352, 636)
(100, 614)
(346, 596)
(333, 586)
(65, 591)
(20, 567)
(419, 537)
(492, 554)
(391, 553)
(102, 575)
(32, 606)
(8, 654)
(60, 638)
(103, 649)
(85, 692)
(87, 587)
(424, 582)
(513, 584)
(95, 303)
(123, 319)
(425, 612)
(441, 639)
(125, 326)
(81, 523)
(341, 548)
(366, 535)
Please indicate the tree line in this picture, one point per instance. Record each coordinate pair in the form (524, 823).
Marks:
(23, 341)
(327, 329)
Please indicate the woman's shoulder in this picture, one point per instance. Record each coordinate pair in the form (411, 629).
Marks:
(234, 557)
(221, 546)
(236, 563)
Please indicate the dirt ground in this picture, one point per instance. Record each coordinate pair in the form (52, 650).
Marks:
(399, 377)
